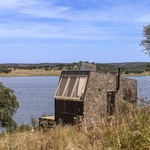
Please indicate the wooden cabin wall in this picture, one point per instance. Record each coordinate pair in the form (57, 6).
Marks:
(67, 110)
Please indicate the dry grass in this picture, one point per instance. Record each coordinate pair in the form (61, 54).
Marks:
(57, 139)
(129, 129)
(146, 73)
(33, 72)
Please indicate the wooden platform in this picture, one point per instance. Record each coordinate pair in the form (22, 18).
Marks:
(47, 118)
(46, 122)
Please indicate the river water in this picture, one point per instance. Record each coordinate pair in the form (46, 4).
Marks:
(143, 87)
(35, 94)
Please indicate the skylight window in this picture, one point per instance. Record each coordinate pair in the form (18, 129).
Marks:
(71, 87)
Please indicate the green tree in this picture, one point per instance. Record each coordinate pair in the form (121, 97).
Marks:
(8, 106)
(146, 41)
(4, 69)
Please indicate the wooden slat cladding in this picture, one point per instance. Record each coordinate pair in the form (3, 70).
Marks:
(67, 110)
(69, 99)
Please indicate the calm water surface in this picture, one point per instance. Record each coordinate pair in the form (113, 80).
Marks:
(143, 87)
(36, 94)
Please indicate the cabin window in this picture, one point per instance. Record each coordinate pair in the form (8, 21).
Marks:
(71, 87)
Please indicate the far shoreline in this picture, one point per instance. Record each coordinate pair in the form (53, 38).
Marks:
(33, 72)
(41, 72)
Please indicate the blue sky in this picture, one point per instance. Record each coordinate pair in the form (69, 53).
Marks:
(103, 31)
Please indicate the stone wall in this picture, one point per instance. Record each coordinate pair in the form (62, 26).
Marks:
(128, 90)
(95, 100)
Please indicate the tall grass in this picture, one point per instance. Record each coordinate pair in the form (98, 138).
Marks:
(128, 129)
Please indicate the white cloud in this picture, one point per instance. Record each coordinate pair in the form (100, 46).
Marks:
(144, 18)
(40, 12)
(95, 24)
(34, 30)
(11, 4)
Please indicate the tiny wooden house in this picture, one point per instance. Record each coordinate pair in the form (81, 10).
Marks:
(90, 94)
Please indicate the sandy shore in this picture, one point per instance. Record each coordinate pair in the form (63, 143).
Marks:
(135, 74)
(41, 72)
(33, 72)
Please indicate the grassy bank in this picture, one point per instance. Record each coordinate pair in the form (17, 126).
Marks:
(127, 130)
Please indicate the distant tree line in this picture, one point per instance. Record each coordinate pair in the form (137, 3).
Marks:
(4, 69)
(126, 68)
(44, 66)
